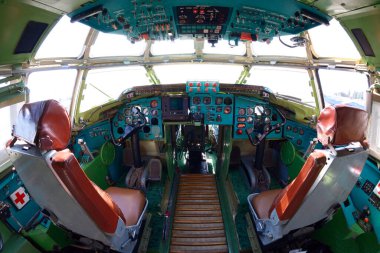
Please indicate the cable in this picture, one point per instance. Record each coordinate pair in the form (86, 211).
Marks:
(279, 37)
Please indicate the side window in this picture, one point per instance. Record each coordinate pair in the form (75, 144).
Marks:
(71, 35)
(104, 85)
(56, 84)
(374, 129)
(343, 87)
(8, 117)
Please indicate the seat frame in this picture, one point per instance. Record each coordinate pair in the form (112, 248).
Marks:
(333, 185)
(34, 168)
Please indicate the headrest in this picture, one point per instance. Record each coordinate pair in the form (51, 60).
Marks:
(44, 124)
(341, 124)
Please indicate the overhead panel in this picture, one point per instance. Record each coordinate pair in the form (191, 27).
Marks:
(214, 19)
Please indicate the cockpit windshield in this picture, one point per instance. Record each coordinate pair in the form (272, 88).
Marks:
(116, 64)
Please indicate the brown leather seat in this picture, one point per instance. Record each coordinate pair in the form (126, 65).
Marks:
(337, 125)
(104, 207)
(287, 201)
(124, 198)
(46, 125)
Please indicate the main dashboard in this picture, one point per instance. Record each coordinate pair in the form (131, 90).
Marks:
(202, 103)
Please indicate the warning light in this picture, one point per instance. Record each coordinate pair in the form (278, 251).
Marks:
(239, 131)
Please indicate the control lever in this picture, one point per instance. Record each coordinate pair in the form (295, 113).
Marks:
(311, 148)
(85, 149)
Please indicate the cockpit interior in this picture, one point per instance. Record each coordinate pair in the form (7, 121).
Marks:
(166, 150)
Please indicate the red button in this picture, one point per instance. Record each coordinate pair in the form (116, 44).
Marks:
(191, 84)
(206, 84)
(199, 84)
(239, 131)
(366, 220)
(214, 84)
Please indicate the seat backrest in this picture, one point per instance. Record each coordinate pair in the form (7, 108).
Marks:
(46, 126)
(339, 125)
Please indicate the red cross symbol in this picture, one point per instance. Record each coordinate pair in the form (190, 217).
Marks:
(20, 198)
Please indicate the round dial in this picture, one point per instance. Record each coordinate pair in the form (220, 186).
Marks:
(241, 111)
(154, 112)
(267, 120)
(218, 100)
(259, 110)
(250, 119)
(206, 100)
(227, 110)
(145, 111)
(196, 100)
(127, 111)
(267, 111)
(250, 110)
(227, 101)
(153, 103)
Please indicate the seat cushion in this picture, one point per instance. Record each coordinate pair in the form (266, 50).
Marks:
(131, 203)
(263, 202)
(97, 204)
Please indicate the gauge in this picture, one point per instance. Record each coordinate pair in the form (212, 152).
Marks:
(295, 129)
(227, 101)
(219, 100)
(301, 132)
(250, 120)
(259, 110)
(196, 100)
(145, 111)
(206, 100)
(289, 128)
(267, 120)
(241, 119)
(241, 125)
(241, 111)
(227, 110)
(219, 109)
(127, 111)
(250, 110)
(267, 128)
(128, 120)
(154, 121)
(267, 111)
(153, 103)
(154, 112)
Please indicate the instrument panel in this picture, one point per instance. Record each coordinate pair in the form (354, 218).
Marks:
(231, 20)
(299, 135)
(216, 110)
(150, 108)
(365, 195)
(251, 112)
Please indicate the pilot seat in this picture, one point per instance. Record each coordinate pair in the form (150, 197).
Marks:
(55, 180)
(325, 180)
